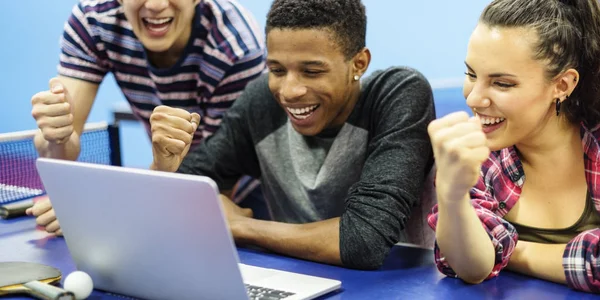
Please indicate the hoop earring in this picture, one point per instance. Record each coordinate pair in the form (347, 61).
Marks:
(558, 103)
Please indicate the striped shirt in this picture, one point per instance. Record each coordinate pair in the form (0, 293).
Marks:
(225, 52)
(498, 190)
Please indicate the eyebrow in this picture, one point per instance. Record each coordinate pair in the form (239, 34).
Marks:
(493, 75)
(316, 63)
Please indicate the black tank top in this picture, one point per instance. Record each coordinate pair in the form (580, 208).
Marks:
(590, 219)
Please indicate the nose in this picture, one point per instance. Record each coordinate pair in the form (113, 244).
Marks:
(156, 5)
(291, 88)
(476, 96)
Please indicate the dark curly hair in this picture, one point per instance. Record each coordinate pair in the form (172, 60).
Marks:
(346, 19)
(568, 37)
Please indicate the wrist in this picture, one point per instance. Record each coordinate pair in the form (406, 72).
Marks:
(243, 230)
(156, 166)
(453, 200)
(449, 192)
(69, 149)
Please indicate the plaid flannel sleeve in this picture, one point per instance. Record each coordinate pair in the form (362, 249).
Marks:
(502, 234)
(581, 261)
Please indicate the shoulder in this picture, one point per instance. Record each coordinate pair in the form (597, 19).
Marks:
(398, 84)
(100, 10)
(590, 137)
(258, 87)
(93, 24)
(394, 76)
(394, 94)
(100, 19)
(256, 97)
(231, 28)
(591, 132)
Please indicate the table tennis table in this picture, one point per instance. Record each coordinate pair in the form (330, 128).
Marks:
(408, 272)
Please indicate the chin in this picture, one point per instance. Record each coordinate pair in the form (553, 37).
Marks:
(156, 47)
(497, 144)
(310, 131)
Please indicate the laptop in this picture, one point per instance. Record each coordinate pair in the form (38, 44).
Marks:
(159, 235)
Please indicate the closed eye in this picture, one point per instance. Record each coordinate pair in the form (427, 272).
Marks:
(504, 85)
(313, 73)
(277, 71)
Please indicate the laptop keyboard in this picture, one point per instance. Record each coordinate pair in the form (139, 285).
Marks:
(261, 293)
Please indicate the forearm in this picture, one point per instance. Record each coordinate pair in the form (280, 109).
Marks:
(318, 241)
(463, 241)
(539, 260)
(69, 150)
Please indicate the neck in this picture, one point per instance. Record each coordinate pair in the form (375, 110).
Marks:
(349, 107)
(168, 58)
(557, 147)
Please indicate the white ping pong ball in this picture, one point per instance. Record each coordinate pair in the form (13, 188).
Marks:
(80, 284)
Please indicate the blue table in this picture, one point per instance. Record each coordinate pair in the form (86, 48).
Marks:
(408, 273)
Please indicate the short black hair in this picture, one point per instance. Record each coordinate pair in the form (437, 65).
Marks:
(346, 19)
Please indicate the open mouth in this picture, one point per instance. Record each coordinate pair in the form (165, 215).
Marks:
(490, 124)
(487, 121)
(302, 113)
(157, 26)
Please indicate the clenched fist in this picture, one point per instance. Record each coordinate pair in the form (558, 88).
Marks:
(53, 112)
(172, 134)
(459, 147)
(44, 215)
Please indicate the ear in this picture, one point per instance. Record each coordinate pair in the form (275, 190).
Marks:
(361, 61)
(565, 83)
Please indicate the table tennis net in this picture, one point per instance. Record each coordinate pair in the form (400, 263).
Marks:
(18, 174)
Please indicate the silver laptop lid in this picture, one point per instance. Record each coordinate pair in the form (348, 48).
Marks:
(143, 233)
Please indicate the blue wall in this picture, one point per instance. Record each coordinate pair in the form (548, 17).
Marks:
(429, 35)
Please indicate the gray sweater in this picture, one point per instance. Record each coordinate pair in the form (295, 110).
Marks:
(370, 172)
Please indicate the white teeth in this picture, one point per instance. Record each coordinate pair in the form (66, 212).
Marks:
(490, 121)
(301, 117)
(158, 26)
(299, 112)
(157, 21)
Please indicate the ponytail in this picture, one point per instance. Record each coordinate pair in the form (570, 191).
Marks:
(585, 103)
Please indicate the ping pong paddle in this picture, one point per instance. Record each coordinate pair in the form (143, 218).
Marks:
(15, 209)
(33, 279)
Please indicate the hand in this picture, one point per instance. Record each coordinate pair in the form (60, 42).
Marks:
(172, 134)
(53, 112)
(459, 147)
(45, 216)
(236, 216)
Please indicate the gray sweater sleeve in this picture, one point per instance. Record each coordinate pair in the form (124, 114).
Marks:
(229, 153)
(399, 156)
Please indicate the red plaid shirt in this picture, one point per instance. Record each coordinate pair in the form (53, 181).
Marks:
(497, 191)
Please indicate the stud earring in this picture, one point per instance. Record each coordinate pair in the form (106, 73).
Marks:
(356, 77)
